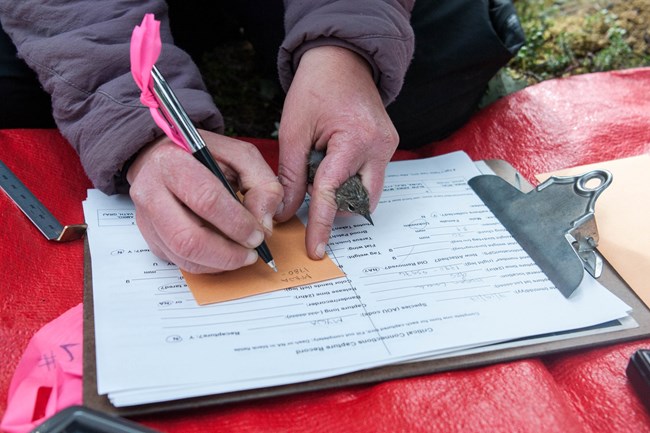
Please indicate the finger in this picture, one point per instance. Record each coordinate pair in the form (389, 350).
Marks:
(333, 171)
(263, 202)
(373, 171)
(204, 194)
(372, 177)
(172, 229)
(338, 165)
(241, 160)
(200, 249)
(159, 249)
(262, 191)
(349, 157)
(153, 240)
(194, 246)
(322, 211)
(295, 145)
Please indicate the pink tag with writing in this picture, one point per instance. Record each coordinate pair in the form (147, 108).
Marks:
(48, 377)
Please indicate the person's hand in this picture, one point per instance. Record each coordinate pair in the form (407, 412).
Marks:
(332, 103)
(188, 217)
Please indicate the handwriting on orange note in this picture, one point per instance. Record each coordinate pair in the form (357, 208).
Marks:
(295, 268)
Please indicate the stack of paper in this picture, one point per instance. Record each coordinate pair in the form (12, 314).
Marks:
(436, 274)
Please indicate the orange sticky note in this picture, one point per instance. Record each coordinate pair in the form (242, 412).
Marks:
(295, 268)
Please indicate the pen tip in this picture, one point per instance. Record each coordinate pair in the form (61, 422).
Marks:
(272, 265)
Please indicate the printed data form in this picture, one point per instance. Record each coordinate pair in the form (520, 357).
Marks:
(436, 274)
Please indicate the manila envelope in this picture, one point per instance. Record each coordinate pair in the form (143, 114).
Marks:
(623, 218)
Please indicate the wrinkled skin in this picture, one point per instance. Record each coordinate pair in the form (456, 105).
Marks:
(333, 103)
(189, 218)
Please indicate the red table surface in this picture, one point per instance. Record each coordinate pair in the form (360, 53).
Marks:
(552, 125)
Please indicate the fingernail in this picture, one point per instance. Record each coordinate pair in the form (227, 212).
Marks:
(320, 250)
(255, 239)
(267, 222)
(251, 258)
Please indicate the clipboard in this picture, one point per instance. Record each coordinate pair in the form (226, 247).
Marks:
(532, 347)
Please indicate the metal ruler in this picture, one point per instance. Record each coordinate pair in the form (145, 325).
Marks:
(51, 228)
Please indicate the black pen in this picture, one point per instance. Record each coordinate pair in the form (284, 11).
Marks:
(178, 119)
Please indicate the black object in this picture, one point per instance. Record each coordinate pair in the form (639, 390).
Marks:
(459, 46)
(638, 373)
(23, 102)
(80, 419)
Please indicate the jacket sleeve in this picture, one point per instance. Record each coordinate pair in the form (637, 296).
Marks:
(377, 30)
(80, 51)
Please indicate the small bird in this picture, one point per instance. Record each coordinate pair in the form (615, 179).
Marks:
(351, 196)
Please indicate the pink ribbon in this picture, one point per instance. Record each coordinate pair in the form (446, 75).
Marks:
(145, 49)
(48, 377)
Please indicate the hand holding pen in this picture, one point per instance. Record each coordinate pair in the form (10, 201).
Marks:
(190, 215)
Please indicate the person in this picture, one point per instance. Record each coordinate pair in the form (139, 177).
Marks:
(342, 65)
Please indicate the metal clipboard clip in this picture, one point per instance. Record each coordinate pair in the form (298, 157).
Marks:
(554, 223)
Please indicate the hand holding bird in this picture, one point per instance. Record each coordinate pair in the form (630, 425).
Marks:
(351, 196)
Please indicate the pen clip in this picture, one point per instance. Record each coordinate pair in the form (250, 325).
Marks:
(165, 115)
(183, 131)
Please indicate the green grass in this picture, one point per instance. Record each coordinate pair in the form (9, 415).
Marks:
(560, 43)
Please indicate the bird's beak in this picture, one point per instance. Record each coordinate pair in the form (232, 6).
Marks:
(367, 216)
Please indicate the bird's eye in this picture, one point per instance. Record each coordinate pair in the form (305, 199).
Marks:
(351, 208)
